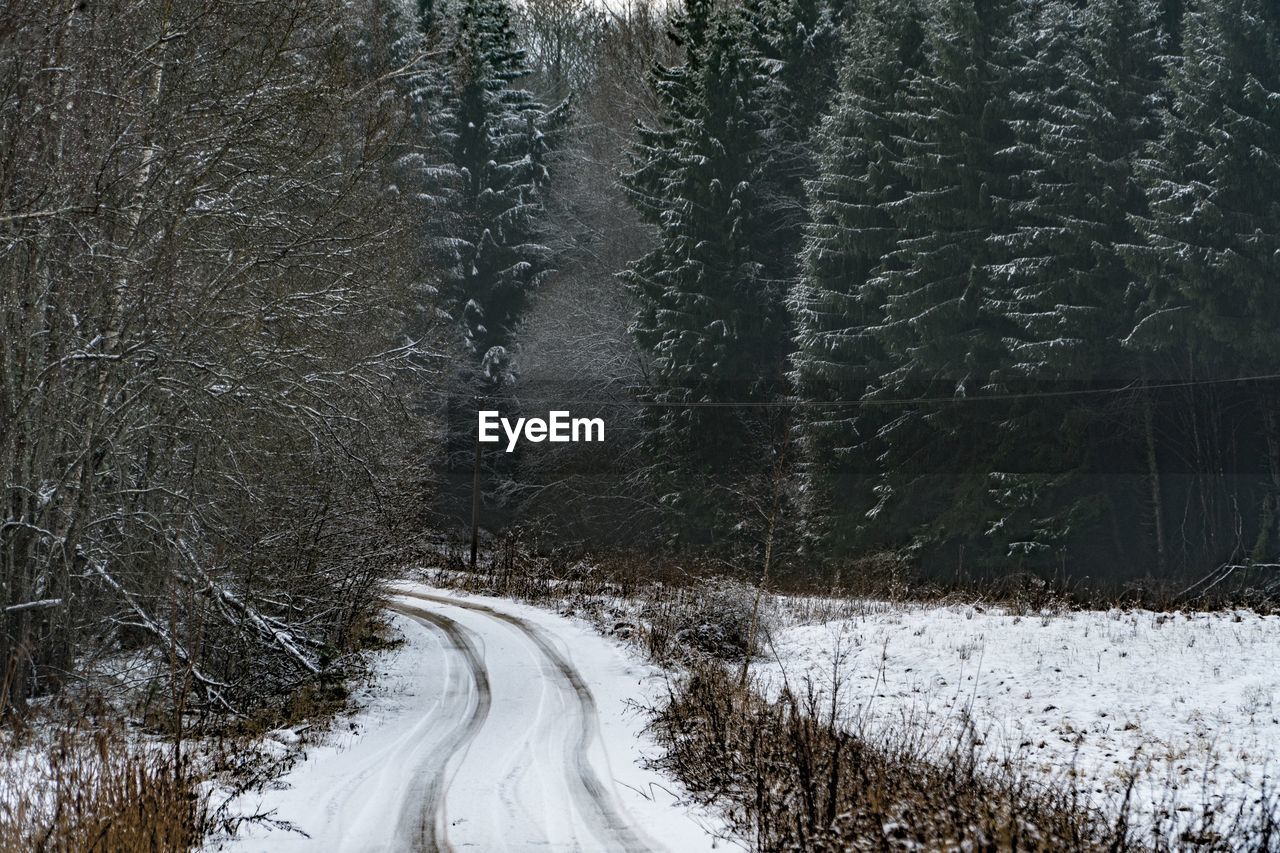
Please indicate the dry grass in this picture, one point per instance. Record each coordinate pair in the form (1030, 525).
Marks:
(71, 779)
(672, 611)
(790, 779)
(789, 776)
(90, 791)
(881, 576)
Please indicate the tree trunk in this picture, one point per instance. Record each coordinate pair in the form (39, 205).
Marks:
(1265, 548)
(1153, 476)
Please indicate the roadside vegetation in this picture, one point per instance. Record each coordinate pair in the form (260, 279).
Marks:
(791, 769)
(790, 775)
(89, 787)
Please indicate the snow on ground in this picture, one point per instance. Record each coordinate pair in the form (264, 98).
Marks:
(494, 726)
(1188, 701)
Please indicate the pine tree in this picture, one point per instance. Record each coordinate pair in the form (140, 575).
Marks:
(945, 322)
(797, 44)
(1211, 254)
(1082, 106)
(489, 172)
(834, 307)
(482, 171)
(710, 324)
(1213, 179)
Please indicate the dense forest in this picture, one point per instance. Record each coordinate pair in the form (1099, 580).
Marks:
(989, 286)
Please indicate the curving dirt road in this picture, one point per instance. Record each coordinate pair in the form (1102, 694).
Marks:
(564, 714)
(492, 736)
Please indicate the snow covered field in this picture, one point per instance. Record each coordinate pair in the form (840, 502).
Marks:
(1190, 703)
(495, 726)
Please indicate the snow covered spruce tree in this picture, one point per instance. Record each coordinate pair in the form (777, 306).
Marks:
(712, 325)
(945, 318)
(484, 168)
(834, 307)
(1083, 104)
(1210, 260)
(797, 45)
(493, 140)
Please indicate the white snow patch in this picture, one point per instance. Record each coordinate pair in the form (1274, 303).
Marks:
(1189, 702)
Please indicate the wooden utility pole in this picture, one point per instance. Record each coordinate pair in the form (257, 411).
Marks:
(475, 506)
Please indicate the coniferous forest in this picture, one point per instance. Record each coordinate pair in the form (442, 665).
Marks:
(985, 285)
(983, 291)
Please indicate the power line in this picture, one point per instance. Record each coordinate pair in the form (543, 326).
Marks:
(873, 402)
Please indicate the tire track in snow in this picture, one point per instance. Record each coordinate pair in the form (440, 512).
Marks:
(423, 824)
(376, 771)
(594, 800)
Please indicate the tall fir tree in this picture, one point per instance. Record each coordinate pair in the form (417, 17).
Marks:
(945, 323)
(1083, 104)
(483, 172)
(798, 46)
(489, 171)
(835, 306)
(710, 324)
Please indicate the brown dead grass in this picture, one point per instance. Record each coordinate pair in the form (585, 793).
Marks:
(88, 790)
(513, 567)
(789, 776)
(789, 779)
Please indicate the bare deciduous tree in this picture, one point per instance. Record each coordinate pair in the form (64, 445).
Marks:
(203, 287)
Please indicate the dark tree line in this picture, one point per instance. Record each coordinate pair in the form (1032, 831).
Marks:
(987, 284)
(998, 279)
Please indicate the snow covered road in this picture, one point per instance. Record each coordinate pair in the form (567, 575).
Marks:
(497, 727)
